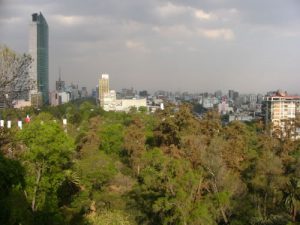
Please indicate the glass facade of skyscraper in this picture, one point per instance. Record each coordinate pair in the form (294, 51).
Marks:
(38, 49)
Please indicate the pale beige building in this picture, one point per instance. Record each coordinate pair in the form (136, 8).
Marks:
(282, 110)
(109, 101)
(103, 88)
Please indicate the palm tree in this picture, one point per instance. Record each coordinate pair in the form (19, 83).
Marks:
(292, 197)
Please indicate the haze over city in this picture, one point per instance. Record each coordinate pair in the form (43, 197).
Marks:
(250, 46)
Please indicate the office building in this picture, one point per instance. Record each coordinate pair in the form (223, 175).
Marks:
(84, 92)
(38, 49)
(108, 98)
(103, 88)
(60, 85)
(59, 97)
(233, 95)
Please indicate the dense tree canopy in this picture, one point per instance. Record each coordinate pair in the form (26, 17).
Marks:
(169, 168)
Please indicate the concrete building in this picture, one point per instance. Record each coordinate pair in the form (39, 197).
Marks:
(108, 98)
(73, 90)
(84, 92)
(240, 117)
(233, 95)
(282, 110)
(223, 108)
(21, 103)
(209, 102)
(126, 104)
(58, 98)
(38, 49)
(111, 103)
(103, 88)
(218, 94)
(60, 85)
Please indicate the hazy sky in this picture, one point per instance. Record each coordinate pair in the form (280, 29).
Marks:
(180, 45)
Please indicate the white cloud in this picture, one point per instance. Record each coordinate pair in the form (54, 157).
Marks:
(136, 45)
(11, 20)
(181, 31)
(171, 9)
(290, 33)
(175, 31)
(233, 11)
(131, 26)
(69, 20)
(200, 14)
(231, 15)
(222, 33)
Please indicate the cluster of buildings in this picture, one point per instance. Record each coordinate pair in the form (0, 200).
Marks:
(109, 101)
(39, 69)
(277, 109)
(39, 93)
(233, 104)
(64, 93)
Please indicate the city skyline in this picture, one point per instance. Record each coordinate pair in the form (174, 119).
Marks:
(193, 46)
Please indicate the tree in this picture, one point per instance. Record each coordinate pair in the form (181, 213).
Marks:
(14, 77)
(12, 183)
(167, 192)
(111, 138)
(223, 183)
(267, 182)
(292, 197)
(134, 143)
(210, 125)
(47, 155)
(238, 146)
(173, 124)
(109, 218)
(6, 136)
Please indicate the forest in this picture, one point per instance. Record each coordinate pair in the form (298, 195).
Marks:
(168, 167)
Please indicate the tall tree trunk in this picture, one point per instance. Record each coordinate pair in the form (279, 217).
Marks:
(265, 205)
(294, 213)
(37, 181)
(216, 191)
(198, 190)
(224, 215)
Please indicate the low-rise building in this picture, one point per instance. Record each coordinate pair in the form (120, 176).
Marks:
(58, 98)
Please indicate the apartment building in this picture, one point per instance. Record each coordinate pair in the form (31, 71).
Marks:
(282, 112)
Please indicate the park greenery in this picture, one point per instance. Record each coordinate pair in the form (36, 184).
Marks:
(168, 167)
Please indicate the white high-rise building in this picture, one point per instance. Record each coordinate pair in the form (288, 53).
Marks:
(282, 111)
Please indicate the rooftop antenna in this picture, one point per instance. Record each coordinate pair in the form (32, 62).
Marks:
(59, 73)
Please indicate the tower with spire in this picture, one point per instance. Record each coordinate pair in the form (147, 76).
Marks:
(60, 84)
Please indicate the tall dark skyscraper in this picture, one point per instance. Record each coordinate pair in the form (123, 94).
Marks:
(38, 49)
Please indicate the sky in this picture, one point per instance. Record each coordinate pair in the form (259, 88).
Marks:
(252, 46)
